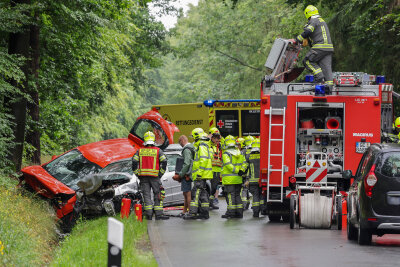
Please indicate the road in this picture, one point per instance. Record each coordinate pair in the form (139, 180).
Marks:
(258, 242)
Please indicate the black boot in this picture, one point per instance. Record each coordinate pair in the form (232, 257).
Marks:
(256, 215)
(190, 216)
(162, 217)
(149, 217)
(227, 216)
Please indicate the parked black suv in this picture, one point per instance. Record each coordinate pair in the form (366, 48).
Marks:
(373, 203)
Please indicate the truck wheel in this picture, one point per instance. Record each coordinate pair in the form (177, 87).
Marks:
(339, 213)
(292, 216)
(364, 235)
(274, 218)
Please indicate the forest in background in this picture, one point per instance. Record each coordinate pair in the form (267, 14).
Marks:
(73, 72)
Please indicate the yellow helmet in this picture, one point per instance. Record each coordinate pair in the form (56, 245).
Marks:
(240, 141)
(397, 122)
(256, 143)
(214, 131)
(230, 141)
(149, 138)
(204, 136)
(248, 140)
(197, 133)
(310, 11)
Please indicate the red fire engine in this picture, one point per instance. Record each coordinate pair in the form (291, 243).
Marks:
(300, 119)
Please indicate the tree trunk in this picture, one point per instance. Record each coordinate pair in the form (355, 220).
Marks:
(33, 136)
(19, 44)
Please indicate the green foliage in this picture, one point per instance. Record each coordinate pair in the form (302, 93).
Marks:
(87, 245)
(27, 227)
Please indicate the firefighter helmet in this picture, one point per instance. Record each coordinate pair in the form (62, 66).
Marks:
(248, 140)
(230, 141)
(397, 122)
(310, 11)
(256, 143)
(196, 133)
(214, 131)
(149, 138)
(204, 136)
(240, 141)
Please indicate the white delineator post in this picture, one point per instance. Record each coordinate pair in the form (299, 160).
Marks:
(115, 238)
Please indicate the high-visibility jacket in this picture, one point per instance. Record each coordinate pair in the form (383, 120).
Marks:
(253, 166)
(202, 164)
(232, 163)
(317, 32)
(216, 157)
(149, 161)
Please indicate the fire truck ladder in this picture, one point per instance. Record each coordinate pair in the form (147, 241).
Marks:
(276, 111)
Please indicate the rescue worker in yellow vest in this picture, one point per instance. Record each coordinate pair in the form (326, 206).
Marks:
(201, 172)
(232, 171)
(319, 59)
(240, 143)
(215, 145)
(253, 169)
(149, 164)
(244, 193)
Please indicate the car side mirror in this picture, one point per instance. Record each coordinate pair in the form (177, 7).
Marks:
(347, 174)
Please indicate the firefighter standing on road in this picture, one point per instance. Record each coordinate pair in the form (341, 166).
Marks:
(215, 145)
(244, 193)
(201, 172)
(232, 171)
(149, 164)
(253, 168)
(319, 59)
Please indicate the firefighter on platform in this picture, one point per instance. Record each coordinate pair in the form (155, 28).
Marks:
(149, 164)
(319, 59)
(232, 171)
(201, 172)
(253, 169)
(394, 136)
(215, 137)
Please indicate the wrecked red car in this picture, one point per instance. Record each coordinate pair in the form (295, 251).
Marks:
(57, 179)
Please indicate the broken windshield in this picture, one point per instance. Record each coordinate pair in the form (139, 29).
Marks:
(70, 168)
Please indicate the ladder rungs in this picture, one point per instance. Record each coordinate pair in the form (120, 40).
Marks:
(275, 170)
(276, 155)
(277, 124)
(276, 139)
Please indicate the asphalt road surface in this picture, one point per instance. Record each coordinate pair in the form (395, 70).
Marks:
(258, 242)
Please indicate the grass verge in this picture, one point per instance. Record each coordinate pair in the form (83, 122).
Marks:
(27, 227)
(87, 245)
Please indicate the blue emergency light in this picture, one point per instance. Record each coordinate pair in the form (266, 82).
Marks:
(380, 79)
(320, 90)
(209, 102)
(309, 78)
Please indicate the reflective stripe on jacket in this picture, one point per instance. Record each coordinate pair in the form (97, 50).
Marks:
(202, 164)
(232, 161)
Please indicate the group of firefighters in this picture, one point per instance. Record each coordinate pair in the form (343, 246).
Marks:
(215, 158)
(235, 162)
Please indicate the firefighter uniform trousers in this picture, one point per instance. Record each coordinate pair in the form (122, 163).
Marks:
(214, 185)
(234, 200)
(319, 62)
(258, 200)
(200, 200)
(147, 184)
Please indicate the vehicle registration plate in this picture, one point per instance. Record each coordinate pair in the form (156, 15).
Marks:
(361, 147)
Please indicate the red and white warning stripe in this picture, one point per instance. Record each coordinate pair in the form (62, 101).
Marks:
(317, 172)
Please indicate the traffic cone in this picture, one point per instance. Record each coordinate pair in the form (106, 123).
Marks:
(125, 207)
(138, 212)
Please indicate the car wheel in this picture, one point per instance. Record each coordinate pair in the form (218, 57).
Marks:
(351, 230)
(292, 216)
(339, 213)
(274, 218)
(364, 235)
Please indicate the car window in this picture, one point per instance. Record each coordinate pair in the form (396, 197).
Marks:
(389, 164)
(143, 126)
(70, 168)
(121, 166)
(171, 161)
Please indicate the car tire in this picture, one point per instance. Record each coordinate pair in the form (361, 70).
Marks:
(351, 230)
(274, 218)
(364, 235)
(292, 216)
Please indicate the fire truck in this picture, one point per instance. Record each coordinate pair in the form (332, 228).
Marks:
(239, 117)
(300, 119)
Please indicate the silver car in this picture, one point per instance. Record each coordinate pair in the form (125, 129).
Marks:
(173, 193)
